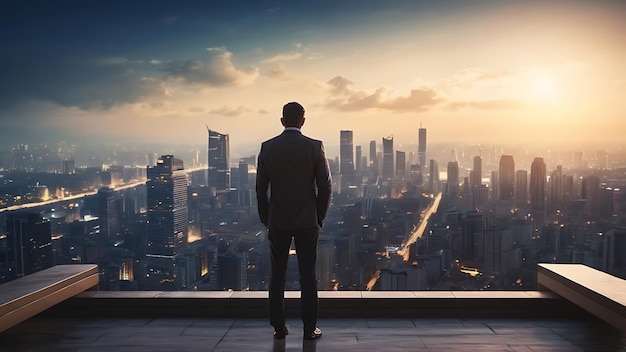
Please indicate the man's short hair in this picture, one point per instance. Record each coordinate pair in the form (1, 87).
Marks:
(292, 112)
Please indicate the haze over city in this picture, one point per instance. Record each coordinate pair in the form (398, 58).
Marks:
(531, 72)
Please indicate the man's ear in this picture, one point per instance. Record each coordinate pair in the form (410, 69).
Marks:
(302, 123)
(282, 121)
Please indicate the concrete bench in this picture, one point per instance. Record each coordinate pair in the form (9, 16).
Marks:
(27, 296)
(597, 292)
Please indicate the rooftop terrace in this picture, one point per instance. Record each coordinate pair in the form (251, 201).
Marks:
(350, 320)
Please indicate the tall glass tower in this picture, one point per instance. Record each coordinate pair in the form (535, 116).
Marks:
(537, 187)
(388, 169)
(421, 148)
(218, 161)
(346, 162)
(167, 222)
(507, 177)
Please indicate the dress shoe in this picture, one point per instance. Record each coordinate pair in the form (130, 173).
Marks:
(315, 334)
(280, 333)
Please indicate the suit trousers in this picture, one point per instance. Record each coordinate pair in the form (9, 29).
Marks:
(306, 241)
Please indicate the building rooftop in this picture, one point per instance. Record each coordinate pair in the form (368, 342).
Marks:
(45, 333)
(350, 320)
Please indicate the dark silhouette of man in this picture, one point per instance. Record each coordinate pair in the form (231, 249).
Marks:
(294, 169)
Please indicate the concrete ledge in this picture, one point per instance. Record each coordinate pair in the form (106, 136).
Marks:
(597, 292)
(333, 304)
(27, 296)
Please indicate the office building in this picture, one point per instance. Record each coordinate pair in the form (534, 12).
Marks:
(521, 188)
(433, 177)
(537, 187)
(453, 179)
(507, 177)
(29, 244)
(358, 161)
(167, 222)
(374, 165)
(477, 172)
(421, 148)
(218, 161)
(109, 214)
(400, 165)
(346, 161)
(388, 169)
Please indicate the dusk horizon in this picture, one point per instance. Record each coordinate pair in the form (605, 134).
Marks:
(502, 73)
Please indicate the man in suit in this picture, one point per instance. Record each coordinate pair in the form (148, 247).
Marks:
(294, 169)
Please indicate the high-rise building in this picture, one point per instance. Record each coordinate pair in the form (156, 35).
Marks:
(521, 188)
(109, 206)
(374, 165)
(218, 161)
(537, 189)
(388, 169)
(477, 174)
(421, 148)
(507, 177)
(433, 177)
(29, 244)
(555, 188)
(400, 165)
(614, 247)
(346, 162)
(167, 221)
(358, 160)
(453, 179)
(591, 193)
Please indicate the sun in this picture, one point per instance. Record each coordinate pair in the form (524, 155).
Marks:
(543, 87)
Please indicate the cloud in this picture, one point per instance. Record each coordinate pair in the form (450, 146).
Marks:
(497, 104)
(87, 84)
(344, 98)
(277, 70)
(472, 77)
(283, 57)
(228, 111)
(217, 71)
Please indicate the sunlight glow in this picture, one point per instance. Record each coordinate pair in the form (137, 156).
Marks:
(544, 87)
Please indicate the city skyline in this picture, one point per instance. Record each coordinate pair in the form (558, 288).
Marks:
(517, 72)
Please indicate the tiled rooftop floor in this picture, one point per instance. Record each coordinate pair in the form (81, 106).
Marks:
(43, 333)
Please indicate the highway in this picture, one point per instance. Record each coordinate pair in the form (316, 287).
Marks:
(81, 195)
(412, 237)
(418, 231)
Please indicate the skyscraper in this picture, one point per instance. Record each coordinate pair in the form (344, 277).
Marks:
(453, 179)
(400, 165)
(374, 165)
(421, 147)
(346, 162)
(477, 174)
(167, 221)
(537, 187)
(359, 161)
(218, 161)
(521, 188)
(433, 178)
(555, 188)
(109, 206)
(388, 169)
(29, 244)
(507, 177)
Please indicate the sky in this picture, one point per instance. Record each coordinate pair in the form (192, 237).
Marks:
(477, 72)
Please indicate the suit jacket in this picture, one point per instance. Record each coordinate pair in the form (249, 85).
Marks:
(293, 183)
